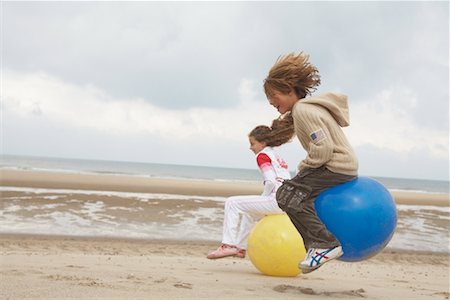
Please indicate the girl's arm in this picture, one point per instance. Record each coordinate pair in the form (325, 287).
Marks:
(270, 178)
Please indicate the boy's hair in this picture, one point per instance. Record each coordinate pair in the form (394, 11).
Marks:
(281, 131)
(292, 72)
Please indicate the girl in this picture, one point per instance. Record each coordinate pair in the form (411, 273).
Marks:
(242, 212)
(330, 159)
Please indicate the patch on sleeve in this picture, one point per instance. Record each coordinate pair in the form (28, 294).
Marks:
(317, 136)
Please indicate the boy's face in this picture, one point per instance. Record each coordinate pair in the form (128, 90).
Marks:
(283, 102)
(256, 146)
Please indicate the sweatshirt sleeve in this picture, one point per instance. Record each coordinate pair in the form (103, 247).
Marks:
(266, 167)
(320, 144)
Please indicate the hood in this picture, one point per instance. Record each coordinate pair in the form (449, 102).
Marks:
(335, 103)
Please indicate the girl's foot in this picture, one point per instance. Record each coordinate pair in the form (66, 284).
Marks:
(226, 250)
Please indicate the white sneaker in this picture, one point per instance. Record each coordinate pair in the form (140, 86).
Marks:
(315, 258)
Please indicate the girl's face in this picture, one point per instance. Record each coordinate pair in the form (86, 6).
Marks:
(256, 146)
(283, 102)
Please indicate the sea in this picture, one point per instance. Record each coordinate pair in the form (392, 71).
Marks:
(163, 216)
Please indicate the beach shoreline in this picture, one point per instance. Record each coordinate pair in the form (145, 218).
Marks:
(137, 184)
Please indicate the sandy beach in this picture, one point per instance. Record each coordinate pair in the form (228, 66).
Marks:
(39, 266)
(42, 267)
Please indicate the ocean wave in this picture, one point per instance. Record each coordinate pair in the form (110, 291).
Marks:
(181, 217)
(142, 196)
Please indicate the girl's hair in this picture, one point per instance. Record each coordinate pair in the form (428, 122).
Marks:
(281, 131)
(292, 72)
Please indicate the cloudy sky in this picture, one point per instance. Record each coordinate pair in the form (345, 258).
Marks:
(181, 82)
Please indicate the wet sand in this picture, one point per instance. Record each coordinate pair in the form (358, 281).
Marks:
(169, 186)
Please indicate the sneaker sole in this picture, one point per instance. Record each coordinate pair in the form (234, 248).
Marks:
(306, 270)
(213, 258)
(231, 255)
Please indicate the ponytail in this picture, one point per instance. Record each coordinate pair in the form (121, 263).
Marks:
(281, 131)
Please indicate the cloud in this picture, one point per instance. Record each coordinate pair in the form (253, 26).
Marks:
(165, 52)
(387, 122)
(384, 121)
(191, 73)
(87, 107)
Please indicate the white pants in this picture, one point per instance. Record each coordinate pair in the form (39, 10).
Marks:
(242, 213)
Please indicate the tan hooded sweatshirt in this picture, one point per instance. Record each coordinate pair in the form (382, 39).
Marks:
(318, 121)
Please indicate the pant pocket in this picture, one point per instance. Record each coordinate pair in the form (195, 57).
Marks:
(301, 194)
(284, 194)
(290, 195)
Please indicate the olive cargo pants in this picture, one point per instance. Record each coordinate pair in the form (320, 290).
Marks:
(296, 197)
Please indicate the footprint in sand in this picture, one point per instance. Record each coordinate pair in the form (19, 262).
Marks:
(283, 288)
(73, 266)
(161, 280)
(12, 272)
(446, 295)
(175, 282)
(82, 281)
(183, 285)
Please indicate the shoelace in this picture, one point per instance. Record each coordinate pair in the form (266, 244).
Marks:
(318, 256)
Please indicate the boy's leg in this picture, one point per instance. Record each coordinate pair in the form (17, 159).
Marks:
(311, 228)
(303, 213)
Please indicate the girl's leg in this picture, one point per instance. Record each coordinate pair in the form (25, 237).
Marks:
(241, 214)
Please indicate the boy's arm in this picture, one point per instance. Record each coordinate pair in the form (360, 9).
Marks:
(320, 144)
